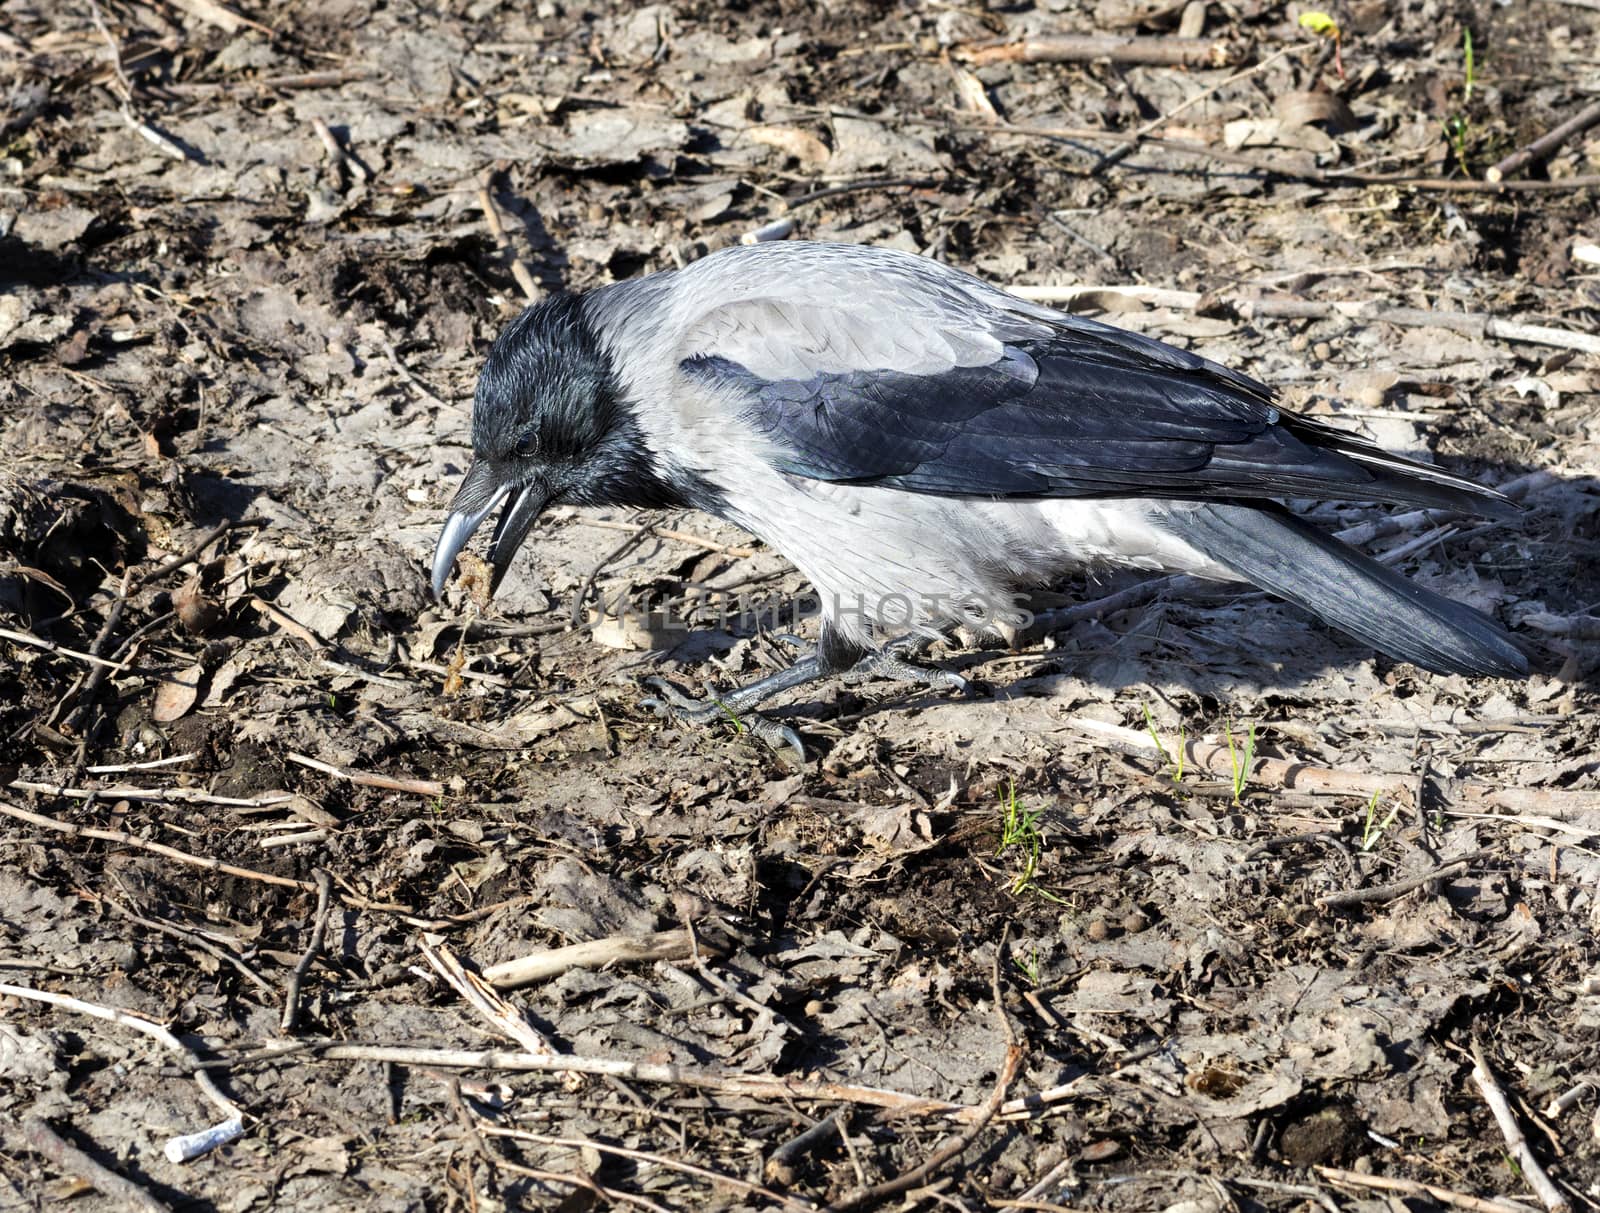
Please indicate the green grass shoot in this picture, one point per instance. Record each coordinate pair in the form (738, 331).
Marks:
(1372, 830)
(1019, 830)
(1183, 741)
(1242, 759)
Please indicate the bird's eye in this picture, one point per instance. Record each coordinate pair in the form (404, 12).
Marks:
(528, 444)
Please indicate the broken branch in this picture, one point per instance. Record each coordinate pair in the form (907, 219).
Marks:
(1106, 48)
(1553, 1198)
(1547, 144)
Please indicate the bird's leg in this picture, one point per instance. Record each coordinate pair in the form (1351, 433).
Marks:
(834, 655)
(895, 661)
(736, 706)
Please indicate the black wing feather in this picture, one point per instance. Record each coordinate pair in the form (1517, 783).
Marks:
(1090, 411)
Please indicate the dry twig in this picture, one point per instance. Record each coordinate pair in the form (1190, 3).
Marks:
(1547, 144)
(485, 999)
(401, 369)
(1149, 128)
(780, 1166)
(97, 675)
(1561, 1103)
(754, 1086)
(123, 838)
(1295, 170)
(958, 1144)
(70, 1160)
(193, 940)
(1389, 892)
(196, 549)
(491, 213)
(592, 954)
(345, 164)
(178, 1149)
(699, 541)
(319, 930)
(1163, 51)
(1412, 1187)
(350, 897)
(122, 768)
(1552, 1197)
(389, 783)
(49, 646)
(156, 795)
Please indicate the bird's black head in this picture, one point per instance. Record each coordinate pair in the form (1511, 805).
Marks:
(549, 426)
(547, 397)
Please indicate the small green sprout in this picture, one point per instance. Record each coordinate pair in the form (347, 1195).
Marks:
(1183, 741)
(1019, 827)
(1029, 968)
(1241, 762)
(1458, 126)
(733, 717)
(1372, 830)
(1324, 26)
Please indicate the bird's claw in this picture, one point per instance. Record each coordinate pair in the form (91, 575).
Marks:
(891, 666)
(675, 704)
(671, 703)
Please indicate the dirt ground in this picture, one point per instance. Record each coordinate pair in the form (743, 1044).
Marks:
(250, 258)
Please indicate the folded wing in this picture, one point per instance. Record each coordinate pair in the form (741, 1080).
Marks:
(944, 393)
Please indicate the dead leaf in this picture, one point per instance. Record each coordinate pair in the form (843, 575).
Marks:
(1303, 108)
(177, 694)
(973, 96)
(197, 612)
(222, 681)
(619, 136)
(215, 14)
(792, 141)
(302, 807)
(1125, 14)
(861, 144)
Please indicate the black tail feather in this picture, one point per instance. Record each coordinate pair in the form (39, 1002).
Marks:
(1287, 556)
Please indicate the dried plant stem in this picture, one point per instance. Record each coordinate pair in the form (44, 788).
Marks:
(1552, 1197)
(957, 1145)
(755, 1086)
(390, 783)
(491, 214)
(1161, 51)
(591, 954)
(1547, 144)
(1389, 892)
(1412, 1187)
(319, 930)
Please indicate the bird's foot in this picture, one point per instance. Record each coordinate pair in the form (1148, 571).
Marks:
(888, 663)
(671, 703)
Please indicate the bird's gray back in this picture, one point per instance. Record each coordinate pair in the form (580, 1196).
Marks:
(796, 309)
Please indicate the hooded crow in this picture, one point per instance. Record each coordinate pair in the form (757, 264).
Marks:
(923, 447)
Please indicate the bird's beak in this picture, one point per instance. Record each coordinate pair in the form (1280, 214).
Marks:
(475, 500)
